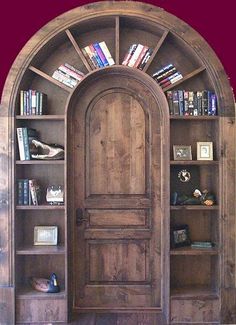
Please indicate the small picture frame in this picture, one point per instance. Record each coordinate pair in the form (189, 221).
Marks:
(182, 152)
(204, 151)
(45, 235)
(180, 236)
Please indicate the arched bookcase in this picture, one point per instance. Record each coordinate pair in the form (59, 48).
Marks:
(113, 252)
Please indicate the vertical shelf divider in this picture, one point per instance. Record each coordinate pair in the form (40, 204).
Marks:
(117, 40)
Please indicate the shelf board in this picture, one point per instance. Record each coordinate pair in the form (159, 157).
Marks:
(27, 292)
(190, 118)
(194, 162)
(50, 79)
(41, 117)
(40, 162)
(156, 49)
(194, 251)
(194, 292)
(185, 78)
(41, 250)
(40, 207)
(194, 207)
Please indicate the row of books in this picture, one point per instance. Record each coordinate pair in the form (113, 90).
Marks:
(193, 103)
(32, 102)
(98, 55)
(68, 75)
(202, 244)
(24, 137)
(137, 56)
(167, 75)
(28, 192)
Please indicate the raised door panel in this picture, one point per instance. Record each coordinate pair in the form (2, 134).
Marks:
(116, 150)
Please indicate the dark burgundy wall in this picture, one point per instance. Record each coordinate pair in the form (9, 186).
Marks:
(214, 20)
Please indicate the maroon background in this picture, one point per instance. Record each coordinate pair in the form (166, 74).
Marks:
(214, 20)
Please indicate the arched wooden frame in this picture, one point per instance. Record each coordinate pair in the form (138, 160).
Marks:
(169, 24)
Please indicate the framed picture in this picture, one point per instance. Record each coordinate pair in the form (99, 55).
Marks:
(204, 151)
(45, 235)
(180, 236)
(182, 152)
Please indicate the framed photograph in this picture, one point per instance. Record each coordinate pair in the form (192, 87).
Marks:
(180, 236)
(204, 151)
(45, 235)
(182, 152)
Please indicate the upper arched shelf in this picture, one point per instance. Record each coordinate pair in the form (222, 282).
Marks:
(119, 24)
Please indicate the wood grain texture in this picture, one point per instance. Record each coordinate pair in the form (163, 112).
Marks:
(142, 23)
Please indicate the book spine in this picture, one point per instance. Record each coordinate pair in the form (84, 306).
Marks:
(163, 70)
(101, 54)
(135, 56)
(175, 102)
(70, 67)
(205, 102)
(20, 192)
(32, 188)
(172, 76)
(26, 192)
(213, 105)
(181, 102)
(172, 81)
(59, 76)
(169, 96)
(96, 56)
(19, 132)
(91, 57)
(33, 102)
(107, 53)
(195, 104)
(165, 75)
(190, 102)
(22, 102)
(199, 102)
(141, 56)
(89, 60)
(186, 110)
(145, 59)
(129, 53)
(27, 103)
(71, 73)
(26, 143)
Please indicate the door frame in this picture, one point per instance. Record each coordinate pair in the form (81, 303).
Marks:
(162, 103)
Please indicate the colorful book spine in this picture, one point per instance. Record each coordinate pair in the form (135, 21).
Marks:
(129, 54)
(71, 73)
(26, 192)
(91, 56)
(135, 56)
(26, 143)
(181, 102)
(163, 70)
(101, 54)
(106, 52)
(96, 56)
(141, 56)
(145, 59)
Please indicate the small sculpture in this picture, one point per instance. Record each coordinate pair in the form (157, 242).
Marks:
(45, 285)
(197, 198)
(48, 151)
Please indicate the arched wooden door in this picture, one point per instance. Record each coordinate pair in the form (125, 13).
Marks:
(117, 189)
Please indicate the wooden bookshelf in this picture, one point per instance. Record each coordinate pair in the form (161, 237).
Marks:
(118, 175)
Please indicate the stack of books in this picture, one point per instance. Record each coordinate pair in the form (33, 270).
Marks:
(68, 75)
(167, 75)
(192, 103)
(202, 244)
(32, 102)
(137, 56)
(28, 192)
(25, 136)
(98, 55)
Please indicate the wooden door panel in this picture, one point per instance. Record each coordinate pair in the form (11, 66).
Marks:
(116, 181)
(118, 261)
(116, 150)
(116, 296)
(117, 218)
